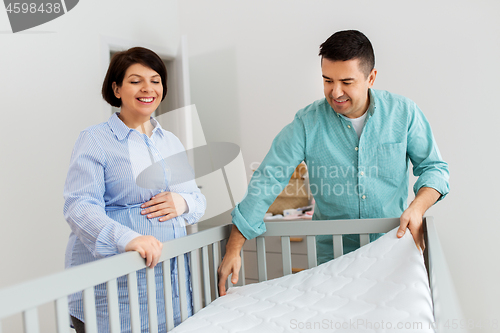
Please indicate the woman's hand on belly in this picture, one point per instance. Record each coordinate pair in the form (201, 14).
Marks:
(148, 247)
(165, 204)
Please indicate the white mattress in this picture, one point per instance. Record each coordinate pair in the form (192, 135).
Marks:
(381, 287)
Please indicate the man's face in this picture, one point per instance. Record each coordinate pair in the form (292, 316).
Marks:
(346, 86)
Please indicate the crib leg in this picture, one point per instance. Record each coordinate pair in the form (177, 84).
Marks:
(312, 261)
(167, 293)
(30, 318)
(206, 276)
(338, 249)
(364, 239)
(62, 316)
(215, 266)
(242, 269)
(196, 281)
(133, 298)
(181, 269)
(113, 306)
(151, 292)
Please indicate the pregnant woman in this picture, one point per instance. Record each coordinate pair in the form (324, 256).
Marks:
(107, 209)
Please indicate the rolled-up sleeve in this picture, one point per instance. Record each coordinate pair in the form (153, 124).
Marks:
(424, 154)
(84, 206)
(287, 151)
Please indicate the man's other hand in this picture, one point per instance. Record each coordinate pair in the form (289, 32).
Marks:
(412, 217)
(413, 220)
(231, 264)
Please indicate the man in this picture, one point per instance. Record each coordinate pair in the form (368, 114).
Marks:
(357, 143)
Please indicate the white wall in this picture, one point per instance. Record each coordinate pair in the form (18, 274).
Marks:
(50, 84)
(254, 64)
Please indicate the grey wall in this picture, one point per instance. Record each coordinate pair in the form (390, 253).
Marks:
(254, 64)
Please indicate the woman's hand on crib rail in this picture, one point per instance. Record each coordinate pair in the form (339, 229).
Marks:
(148, 247)
(165, 204)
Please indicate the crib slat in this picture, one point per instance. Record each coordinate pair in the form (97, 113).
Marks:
(195, 280)
(364, 239)
(167, 292)
(151, 290)
(206, 276)
(223, 244)
(89, 310)
(183, 303)
(261, 258)
(337, 246)
(311, 252)
(215, 267)
(242, 269)
(62, 317)
(113, 307)
(133, 298)
(286, 254)
(30, 319)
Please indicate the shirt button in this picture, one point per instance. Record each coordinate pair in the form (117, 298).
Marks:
(348, 126)
(356, 148)
(363, 197)
(361, 173)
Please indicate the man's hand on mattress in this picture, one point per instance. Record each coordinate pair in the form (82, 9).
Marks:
(412, 219)
(413, 215)
(148, 247)
(165, 204)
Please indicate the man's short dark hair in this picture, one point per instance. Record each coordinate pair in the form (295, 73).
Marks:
(119, 64)
(347, 45)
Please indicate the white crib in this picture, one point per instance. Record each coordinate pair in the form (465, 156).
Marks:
(206, 248)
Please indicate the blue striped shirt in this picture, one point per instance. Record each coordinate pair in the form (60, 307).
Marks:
(102, 207)
(350, 177)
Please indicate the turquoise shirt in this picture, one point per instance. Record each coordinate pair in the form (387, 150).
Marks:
(350, 177)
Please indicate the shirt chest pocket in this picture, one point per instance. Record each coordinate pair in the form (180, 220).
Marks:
(391, 160)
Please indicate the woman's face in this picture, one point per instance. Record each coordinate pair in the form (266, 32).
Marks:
(141, 91)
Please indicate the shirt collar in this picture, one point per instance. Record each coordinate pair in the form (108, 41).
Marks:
(121, 130)
(371, 106)
(158, 129)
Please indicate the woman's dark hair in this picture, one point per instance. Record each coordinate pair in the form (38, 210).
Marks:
(347, 45)
(119, 64)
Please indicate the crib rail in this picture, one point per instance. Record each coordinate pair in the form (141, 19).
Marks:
(310, 229)
(26, 297)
